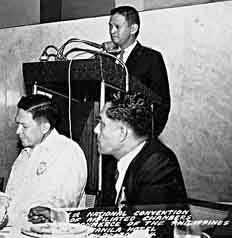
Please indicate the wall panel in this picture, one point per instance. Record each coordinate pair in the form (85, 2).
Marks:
(17, 13)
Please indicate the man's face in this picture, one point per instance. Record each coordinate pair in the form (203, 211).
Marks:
(108, 134)
(120, 31)
(28, 130)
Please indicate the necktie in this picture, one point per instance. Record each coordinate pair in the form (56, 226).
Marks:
(122, 200)
(121, 55)
(116, 174)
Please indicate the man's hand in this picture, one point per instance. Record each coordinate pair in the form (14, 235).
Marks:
(40, 215)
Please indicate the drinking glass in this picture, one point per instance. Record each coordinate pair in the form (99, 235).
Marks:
(189, 231)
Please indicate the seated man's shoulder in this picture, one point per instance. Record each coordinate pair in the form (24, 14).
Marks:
(67, 144)
(157, 146)
(159, 152)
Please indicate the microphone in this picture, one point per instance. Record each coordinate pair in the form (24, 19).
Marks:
(107, 46)
(110, 47)
(96, 45)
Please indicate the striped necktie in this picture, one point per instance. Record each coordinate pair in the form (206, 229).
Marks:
(121, 55)
(116, 174)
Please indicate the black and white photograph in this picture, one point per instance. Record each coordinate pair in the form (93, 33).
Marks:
(116, 119)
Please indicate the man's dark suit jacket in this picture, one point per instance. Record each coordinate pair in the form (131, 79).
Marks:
(153, 177)
(146, 67)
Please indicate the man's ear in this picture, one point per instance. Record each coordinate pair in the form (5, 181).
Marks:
(45, 127)
(123, 132)
(134, 28)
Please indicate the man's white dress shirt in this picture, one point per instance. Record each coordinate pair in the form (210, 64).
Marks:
(52, 174)
(127, 52)
(123, 165)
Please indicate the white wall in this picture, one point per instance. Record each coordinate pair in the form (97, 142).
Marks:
(196, 45)
(27, 12)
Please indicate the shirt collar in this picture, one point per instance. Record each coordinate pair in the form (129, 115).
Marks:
(27, 151)
(130, 47)
(128, 50)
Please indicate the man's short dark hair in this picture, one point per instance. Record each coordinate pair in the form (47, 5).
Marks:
(133, 109)
(130, 13)
(41, 107)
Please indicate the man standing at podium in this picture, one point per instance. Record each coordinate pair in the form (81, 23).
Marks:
(145, 66)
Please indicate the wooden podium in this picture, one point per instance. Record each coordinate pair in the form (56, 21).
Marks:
(82, 86)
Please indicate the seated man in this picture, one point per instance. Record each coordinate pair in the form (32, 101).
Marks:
(51, 169)
(148, 171)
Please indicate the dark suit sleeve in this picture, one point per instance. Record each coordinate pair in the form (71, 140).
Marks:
(159, 181)
(160, 86)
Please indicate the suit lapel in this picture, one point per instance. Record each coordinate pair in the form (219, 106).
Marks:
(139, 158)
(132, 168)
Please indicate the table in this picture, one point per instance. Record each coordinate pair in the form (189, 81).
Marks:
(15, 232)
